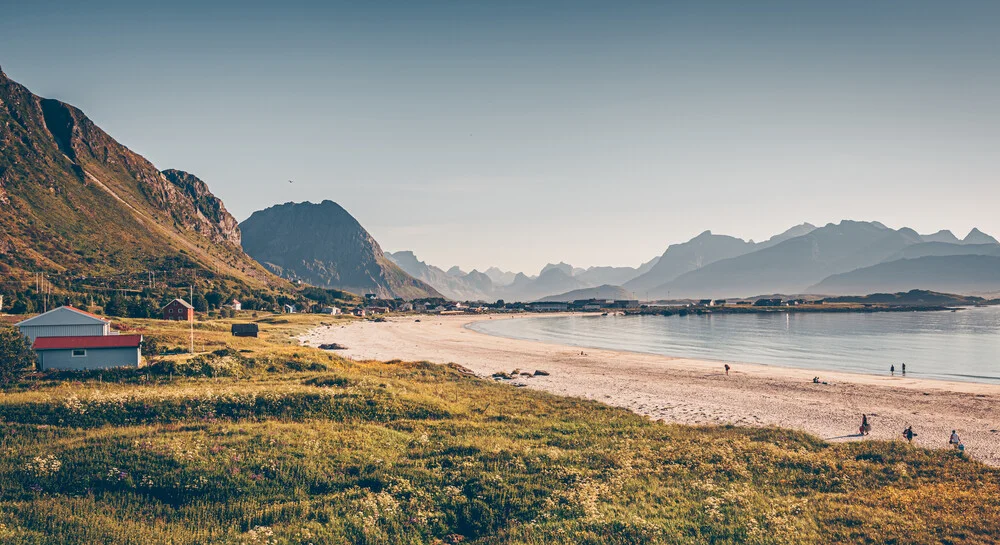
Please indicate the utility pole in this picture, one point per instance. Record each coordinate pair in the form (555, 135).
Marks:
(191, 288)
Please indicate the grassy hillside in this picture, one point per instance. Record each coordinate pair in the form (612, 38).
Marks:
(92, 215)
(261, 441)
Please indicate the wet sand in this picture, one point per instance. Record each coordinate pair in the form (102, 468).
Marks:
(689, 391)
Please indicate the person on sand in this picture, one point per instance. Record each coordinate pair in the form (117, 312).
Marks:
(892, 370)
(904, 369)
(865, 426)
(727, 369)
(908, 434)
(954, 441)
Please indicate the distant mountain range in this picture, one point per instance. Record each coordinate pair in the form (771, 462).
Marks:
(849, 257)
(323, 245)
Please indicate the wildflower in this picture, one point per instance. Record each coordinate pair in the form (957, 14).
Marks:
(42, 466)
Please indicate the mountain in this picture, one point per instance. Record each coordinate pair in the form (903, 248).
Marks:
(324, 245)
(794, 264)
(943, 235)
(600, 292)
(460, 287)
(552, 281)
(615, 276)
(84, 209)
(796, 231)
(702, 250)
(499, 277)
(681, 258)
(964, 274)
(564, 267)
(976, 236)
(944, 248)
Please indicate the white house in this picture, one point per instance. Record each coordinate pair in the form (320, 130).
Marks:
(330, 310)
(64, 322)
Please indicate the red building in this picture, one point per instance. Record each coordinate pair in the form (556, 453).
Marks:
(179, 310)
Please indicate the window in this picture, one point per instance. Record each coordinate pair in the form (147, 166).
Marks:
(79, 353)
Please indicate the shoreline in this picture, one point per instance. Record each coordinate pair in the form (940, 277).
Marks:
(694, 391)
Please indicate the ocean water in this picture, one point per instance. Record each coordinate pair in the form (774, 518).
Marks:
(962, 345)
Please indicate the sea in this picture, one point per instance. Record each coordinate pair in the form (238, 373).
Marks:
(961, 345)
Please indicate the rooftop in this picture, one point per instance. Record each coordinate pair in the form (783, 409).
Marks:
(94, 341)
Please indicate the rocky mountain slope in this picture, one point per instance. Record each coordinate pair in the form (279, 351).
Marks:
(323, 245)
(86, 210)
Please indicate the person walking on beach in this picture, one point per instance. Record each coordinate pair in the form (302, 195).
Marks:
(865, 426)
(892, 370)
(904, 369)
(954, 441)
(727, 369)
(908, 434)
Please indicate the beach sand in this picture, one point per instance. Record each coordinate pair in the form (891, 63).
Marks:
(691, 391)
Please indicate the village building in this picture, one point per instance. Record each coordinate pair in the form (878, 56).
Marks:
(289, 309)
(179, 310)
(330, 310)
(71, 339)
(359, 312)
(64, 322)
(236, 305)
(244, 330)
(88, 352)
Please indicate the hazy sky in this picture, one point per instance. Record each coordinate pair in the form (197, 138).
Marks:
(516, 133)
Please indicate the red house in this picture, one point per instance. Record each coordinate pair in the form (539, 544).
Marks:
(179, 310)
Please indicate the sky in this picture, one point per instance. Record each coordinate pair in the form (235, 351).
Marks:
(519, 133)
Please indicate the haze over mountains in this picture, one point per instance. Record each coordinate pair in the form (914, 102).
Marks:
(793, 262)
(75, 203)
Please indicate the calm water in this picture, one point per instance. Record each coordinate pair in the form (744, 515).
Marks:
(963, 345)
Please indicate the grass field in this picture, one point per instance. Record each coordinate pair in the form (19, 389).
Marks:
(261, 441)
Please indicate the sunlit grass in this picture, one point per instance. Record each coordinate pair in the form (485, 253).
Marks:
(264, 441)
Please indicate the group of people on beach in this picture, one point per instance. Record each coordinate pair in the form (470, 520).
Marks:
(954, 441)
(892, 369)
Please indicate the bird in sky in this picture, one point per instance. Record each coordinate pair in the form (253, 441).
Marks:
(291, 182)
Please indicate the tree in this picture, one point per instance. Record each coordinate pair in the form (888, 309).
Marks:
(16, 356)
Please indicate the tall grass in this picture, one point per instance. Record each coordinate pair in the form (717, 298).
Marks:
(297, 446)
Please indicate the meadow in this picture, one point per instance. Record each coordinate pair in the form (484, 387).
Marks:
(262, 441)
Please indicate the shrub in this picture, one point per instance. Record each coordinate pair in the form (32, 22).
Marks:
(16, 356)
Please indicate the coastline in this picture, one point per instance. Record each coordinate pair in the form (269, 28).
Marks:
(692, 391)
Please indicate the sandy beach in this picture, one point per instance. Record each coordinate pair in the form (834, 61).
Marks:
(691, 391)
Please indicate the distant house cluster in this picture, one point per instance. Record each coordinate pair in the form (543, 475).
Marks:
(71, 339)
(585, 305)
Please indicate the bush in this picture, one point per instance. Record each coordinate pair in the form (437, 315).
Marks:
(16, 356)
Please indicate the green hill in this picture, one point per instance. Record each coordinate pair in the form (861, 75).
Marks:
(91, 214)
